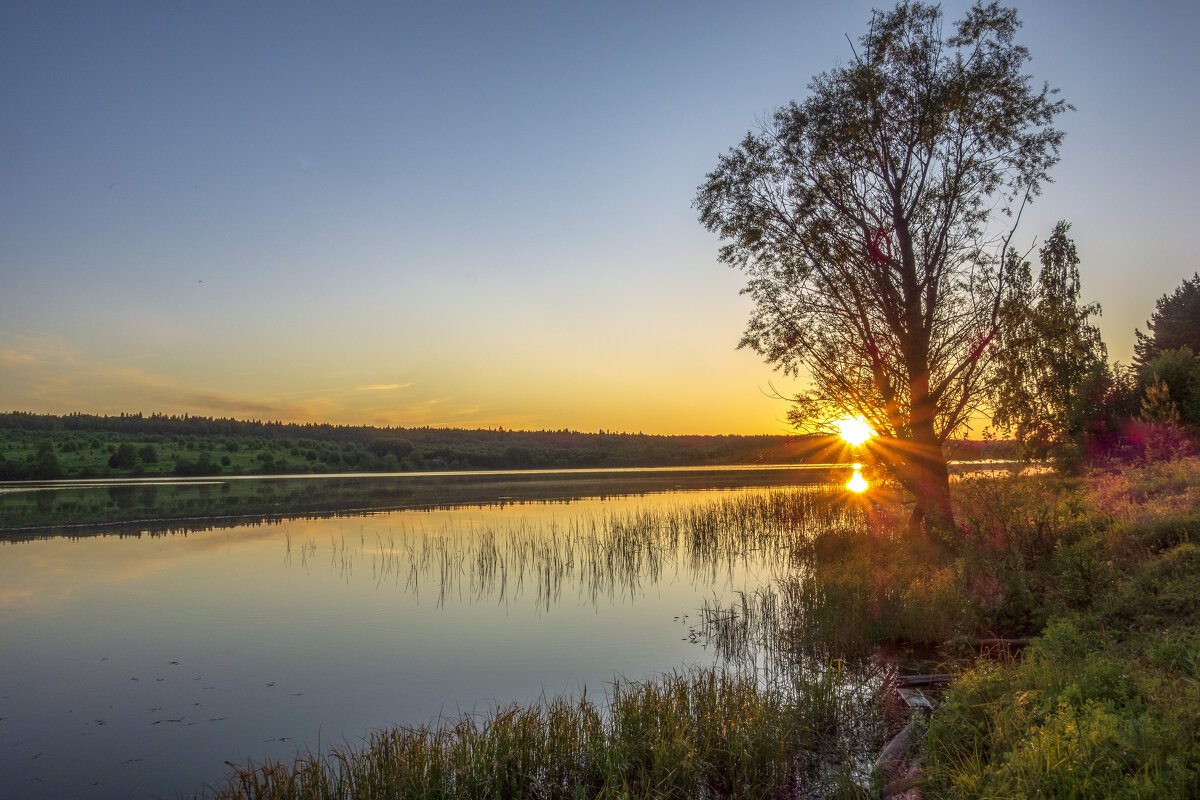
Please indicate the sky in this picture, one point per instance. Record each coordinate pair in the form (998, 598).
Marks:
(479, 214)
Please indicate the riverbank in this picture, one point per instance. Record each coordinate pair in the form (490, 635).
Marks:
(1103, 572)
(1106, 700)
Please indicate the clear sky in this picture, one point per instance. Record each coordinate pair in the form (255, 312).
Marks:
(477, 213)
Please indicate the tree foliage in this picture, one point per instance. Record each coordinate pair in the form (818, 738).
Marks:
(125, 457)
(88, 446)
(1174, 324)
(1050, 357)
(1172, 386)
(864, 218)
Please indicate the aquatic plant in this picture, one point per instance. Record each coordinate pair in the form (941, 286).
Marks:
(697, 734)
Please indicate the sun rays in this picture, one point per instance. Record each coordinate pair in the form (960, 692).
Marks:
(855, 431)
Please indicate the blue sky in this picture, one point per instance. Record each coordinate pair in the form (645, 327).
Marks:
(476, 214)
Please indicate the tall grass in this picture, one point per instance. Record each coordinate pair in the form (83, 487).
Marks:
(705, 733)
(784, 717)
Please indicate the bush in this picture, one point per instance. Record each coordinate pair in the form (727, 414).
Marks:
(45, 463)
(126, 457)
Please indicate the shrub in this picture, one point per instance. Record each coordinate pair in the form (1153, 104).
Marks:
(125, 457)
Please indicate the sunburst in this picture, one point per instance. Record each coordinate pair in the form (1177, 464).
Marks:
(854, 430)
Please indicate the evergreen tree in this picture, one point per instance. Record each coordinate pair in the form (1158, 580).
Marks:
(1175, 324)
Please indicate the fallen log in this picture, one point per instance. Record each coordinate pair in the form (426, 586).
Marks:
(893, 758)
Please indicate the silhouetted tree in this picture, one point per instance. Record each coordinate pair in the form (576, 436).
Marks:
(863, 218)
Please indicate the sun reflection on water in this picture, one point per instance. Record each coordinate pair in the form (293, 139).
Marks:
(857, 482)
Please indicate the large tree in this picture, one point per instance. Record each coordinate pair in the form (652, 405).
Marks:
(866, 219)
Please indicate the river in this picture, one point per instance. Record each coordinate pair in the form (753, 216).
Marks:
(218, 621)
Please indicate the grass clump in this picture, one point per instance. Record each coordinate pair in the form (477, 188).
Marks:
(705, 733)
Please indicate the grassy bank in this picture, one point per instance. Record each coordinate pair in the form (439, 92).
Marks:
(1102, 571)
(1106, 702)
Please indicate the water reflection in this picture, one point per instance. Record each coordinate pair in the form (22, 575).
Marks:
(598, 558)
(145, 663)
(122, 506)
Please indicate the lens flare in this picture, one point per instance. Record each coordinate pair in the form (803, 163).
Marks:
(854, 431)
(857, 483)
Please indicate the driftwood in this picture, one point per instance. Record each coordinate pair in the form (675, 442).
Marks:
(939, 679)
(900, 761)
(899, 765)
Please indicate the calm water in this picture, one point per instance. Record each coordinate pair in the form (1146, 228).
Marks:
(136, 665)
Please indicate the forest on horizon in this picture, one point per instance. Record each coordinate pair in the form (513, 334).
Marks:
(49, 446)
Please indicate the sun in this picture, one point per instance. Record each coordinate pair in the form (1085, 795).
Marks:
(855, 431)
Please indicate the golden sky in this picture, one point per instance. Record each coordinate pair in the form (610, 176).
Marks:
(477, 215)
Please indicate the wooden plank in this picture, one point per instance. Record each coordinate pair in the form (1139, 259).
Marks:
(939, 679)
(915, 699)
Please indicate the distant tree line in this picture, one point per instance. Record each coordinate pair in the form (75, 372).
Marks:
(44, 446)
(396, 439)
(41, 446)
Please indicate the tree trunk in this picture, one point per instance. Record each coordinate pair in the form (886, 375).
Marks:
(933, 511)
(931, 479)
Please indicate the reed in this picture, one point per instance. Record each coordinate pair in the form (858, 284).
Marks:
(597, 557)
(696, 734)
(778, 719)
